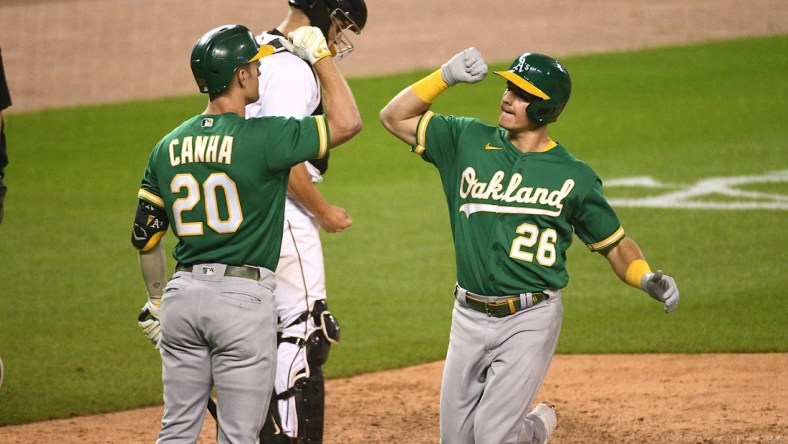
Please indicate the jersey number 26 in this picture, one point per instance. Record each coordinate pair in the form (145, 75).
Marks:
(523, 245)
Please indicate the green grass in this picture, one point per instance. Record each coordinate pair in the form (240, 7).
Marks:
(71, 288)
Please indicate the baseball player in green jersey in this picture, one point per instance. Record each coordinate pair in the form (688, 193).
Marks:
(219, 180)
(515, 198)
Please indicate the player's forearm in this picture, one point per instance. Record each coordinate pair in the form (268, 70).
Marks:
(622, 257)
(344, 119)
(153, 267)
(301, 188)
(401, 115)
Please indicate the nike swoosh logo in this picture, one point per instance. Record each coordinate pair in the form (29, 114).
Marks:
(490, 147)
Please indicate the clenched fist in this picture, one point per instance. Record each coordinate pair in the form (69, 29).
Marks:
(465, 67)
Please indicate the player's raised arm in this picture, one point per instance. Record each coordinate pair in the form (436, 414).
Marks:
(401, 115)
(344, 119)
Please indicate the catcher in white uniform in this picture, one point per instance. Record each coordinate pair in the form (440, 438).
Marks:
(289, 87)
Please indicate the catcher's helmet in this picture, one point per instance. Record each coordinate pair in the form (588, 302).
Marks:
(220, 52)
(545, 78)
(342, 15)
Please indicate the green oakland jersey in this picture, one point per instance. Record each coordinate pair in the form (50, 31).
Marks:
(222, 181)
(513, 214)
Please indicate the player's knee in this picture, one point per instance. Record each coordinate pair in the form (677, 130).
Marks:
(326, 332)
(317, 349)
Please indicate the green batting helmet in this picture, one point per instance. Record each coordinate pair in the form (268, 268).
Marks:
(545, 78)
(220, 52)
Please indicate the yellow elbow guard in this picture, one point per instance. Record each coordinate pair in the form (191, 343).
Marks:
(430, 87)
(152, 242)
(635, 272)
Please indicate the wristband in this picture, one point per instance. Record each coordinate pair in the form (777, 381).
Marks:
(635, 272)
(430, 87)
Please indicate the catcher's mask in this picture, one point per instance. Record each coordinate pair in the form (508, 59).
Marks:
(220, 52)
(546, 79)
(338, 16)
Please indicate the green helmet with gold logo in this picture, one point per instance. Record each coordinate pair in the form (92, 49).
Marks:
(544, 78)
(220, 52)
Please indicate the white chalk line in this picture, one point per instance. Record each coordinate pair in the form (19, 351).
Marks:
(688, 196)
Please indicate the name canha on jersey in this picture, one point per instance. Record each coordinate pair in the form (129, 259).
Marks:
(221, 179)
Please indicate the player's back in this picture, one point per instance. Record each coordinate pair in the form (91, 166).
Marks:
(222, 181)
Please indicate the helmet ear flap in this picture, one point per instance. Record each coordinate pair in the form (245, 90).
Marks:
(535, 113)
(319, 16)
(544, 111)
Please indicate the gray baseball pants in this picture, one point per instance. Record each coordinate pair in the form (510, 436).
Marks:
(217, 331)
(494, 369)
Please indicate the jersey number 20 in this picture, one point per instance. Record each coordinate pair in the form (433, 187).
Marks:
(215, 183)
(529, 237)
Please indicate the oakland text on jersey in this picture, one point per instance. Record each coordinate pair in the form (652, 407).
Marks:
(494, 190)
(214, 149)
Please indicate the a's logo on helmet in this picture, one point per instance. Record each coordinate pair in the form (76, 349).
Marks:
(521, 65)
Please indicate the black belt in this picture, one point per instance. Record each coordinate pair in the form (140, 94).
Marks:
(502, 307)
(243, 271)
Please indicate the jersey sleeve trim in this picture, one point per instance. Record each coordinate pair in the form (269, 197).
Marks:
(421, 133)
(150, 197)
(322, 132)
(609, 242)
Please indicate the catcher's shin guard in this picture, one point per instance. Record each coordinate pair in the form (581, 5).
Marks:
(310, 407)
(307, 395)
(309, 398)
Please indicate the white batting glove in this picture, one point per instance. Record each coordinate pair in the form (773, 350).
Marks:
(465, 67)
(153, 306)
(309, 44)
(662, 288)
(148, 320)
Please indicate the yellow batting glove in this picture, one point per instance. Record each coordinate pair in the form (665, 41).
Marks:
(309, 43)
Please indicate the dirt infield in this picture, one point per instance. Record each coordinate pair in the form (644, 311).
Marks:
(718, 398)
(72, 52)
